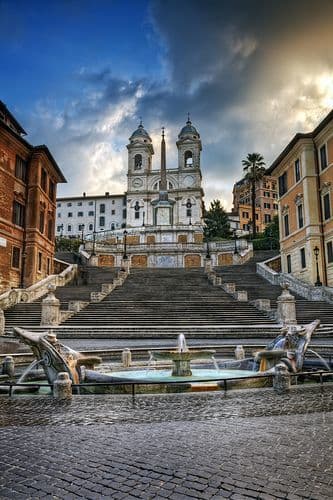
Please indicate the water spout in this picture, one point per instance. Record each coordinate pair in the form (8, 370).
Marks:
(181, 343)
(27, 371)
(216, 366)
(326, 365)
(151, 365)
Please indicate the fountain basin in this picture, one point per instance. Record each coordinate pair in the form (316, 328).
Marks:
(182, 359)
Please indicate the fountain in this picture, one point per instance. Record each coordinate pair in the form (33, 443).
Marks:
(288, 348)
(182, 357)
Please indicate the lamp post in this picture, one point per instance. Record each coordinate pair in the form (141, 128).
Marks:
(207, 250)
(316, 252)
(82, 230)
(125, 244)
(235, 241)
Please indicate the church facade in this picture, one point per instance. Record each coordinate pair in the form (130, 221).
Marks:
(183, 195)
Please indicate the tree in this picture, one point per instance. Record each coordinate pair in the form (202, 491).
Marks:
(272, 232)
(254, 169)
(216, 221)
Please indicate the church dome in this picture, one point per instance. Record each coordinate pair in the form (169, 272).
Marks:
(189, 131)
(140, 133)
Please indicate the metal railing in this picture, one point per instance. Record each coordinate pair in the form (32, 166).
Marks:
(223, 381)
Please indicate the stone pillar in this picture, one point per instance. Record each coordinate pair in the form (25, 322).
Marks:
(229, 287)
(62, 387)
(208, 265)
(125, 264)
(2, 322)
(50, 309)
(286, 307)
(218, 281)
(239, 352)
(126, 358)
(263, 304)
(281, 379)
(8, 366)
(93, 261)
(241, 295)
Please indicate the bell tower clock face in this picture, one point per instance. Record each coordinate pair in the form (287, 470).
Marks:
(137, 183)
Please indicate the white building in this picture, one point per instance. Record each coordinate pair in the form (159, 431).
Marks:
(85, 214)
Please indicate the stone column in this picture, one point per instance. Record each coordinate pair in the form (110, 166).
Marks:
(62, 387)
(208, 265)
(50, 309)
(281, 379)
(93, 261)
(2, 322)
(126, 358)
(8, 366)
(125, 264)
(286, 307)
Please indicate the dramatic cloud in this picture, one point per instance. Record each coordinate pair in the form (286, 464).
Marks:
(251, 72)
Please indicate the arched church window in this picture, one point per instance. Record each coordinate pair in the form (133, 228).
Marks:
(137, 210)
(157, 185)
(188, 208)
(137, 162)
(188, 158)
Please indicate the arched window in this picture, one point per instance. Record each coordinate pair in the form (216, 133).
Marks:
(157, 185)
(188, 208)
(112, 226)
(188, 158)
(137, 210)
(137, 162)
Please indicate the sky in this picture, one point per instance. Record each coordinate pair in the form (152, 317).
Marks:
(79, 74)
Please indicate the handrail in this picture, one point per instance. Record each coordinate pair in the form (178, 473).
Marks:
(322, 374)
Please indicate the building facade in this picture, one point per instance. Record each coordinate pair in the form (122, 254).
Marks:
(266, 202)
(81, 215)
(304, 171)
(28, 182)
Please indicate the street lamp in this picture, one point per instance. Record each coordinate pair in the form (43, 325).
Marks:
(82, 238)
(316, 252)
(125, 245)
(235, 241)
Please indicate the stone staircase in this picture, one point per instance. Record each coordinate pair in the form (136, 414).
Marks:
(245, 278)
(28, 315)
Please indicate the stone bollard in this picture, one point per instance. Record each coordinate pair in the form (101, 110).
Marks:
(286, 307)
(263, 304)
(126, 264)
(50, 308)
(8, 366)
(241, 295)
(2, 322)
(208, 265)
(62, 387)
(239, 352)
(126, 358)
(281, 379)
(218, 281)
(93, 261)
(229, 287)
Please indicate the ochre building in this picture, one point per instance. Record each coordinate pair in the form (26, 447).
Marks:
(304, 171)
(28, 182)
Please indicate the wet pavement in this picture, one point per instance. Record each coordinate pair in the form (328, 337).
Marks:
(242, 444)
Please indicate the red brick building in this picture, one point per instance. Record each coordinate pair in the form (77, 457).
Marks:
(28, 183)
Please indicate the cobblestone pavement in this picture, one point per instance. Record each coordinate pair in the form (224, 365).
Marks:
(245, 444)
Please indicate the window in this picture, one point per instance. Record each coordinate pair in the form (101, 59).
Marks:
(124, 213)
(48, 266)
(275, 206)
(69, 204)
(323, 157)
(50, 229)
(267, 218)
(69, 228)
(43, 179)
(274, 195)
(300, 216)
(283, 184)
(189, 212)
(90, 203)
(16, 255)
(59, 228)
(81, 227)
(112, 202)
(288, 263)
(257, 217)
(112, 226)
(245, 215)
(137, 162)
(58, 205)
(102, 221)
(21, 168)
(59, 215)
(303, 261)
(41, 221)
(267, 194)
(267, 205)
(327, 206)
(70, 214)
(329, 247)
(297, 170)
(91, 213)
(91, 227)
(51, 190)
(18, 214)
(80, 214)
(79, 203)
(113, 212)
(286, 225)
(188, 157)
(102, 208)
(40, 261)
(137, 215)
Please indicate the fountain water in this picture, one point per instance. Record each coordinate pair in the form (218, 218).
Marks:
(327, 366)
(26, 372)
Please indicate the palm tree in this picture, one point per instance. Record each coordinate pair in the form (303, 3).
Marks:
(254, 169)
